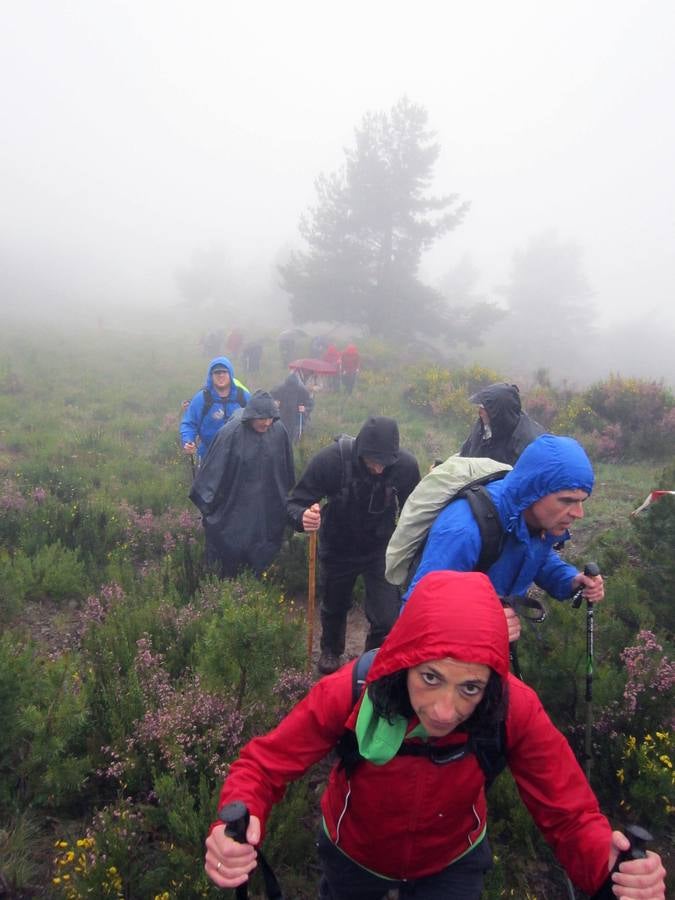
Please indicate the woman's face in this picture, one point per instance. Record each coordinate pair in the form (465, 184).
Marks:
(445, 692)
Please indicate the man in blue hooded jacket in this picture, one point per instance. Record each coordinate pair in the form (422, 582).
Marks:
(211, 407)
(536, 502)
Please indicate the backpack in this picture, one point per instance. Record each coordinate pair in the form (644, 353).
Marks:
(488, 747)
(457, 477)
(345, 443)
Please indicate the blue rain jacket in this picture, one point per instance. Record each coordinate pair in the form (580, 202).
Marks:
(197, 422)
(547, 465)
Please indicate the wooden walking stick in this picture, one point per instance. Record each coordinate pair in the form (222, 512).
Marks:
(311, 596)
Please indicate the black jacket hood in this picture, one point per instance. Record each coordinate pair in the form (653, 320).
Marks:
(502, 402)
(260, 406)
(378, 440)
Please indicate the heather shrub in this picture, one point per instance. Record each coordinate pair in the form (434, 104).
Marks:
(444, 392)
(18, 671)
(250, 640)
(56, 766)
(636, 418)
(54, 571)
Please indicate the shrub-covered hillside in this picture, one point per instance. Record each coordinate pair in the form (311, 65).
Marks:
(129, 678)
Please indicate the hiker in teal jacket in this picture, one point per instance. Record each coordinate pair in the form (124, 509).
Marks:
(211, 407)
(537, 502)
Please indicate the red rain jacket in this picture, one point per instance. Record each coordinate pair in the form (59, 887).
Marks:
(410, 817)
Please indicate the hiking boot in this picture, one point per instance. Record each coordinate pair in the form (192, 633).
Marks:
(328, 662)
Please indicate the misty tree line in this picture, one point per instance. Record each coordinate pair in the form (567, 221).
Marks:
(364, 239)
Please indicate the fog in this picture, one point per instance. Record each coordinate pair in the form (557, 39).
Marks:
(137, 134)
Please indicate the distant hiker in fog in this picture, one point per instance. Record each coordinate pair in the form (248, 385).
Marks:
(367, 480)
(332, 356)
(241, 489)
(211, 407)
(502, 430)
(252, 356)
(351, 363)
(317, 346)
(234, 342)
(295, 404)
(287, 346)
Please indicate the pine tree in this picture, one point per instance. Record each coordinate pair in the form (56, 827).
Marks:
(369, 228)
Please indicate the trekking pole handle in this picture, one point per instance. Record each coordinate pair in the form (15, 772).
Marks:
(639, 837)
(591, 569)
(236, 817)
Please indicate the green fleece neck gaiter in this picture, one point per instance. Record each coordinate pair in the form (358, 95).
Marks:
(378, 740)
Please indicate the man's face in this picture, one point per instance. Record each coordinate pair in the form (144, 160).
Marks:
(375, 468)
(484, 417)
(221, 380)
(555, 512)
(261, 425)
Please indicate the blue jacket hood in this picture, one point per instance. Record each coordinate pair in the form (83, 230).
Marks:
(219, 361)
(549, 464)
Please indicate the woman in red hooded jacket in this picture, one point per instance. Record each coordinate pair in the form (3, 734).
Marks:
(417, 820)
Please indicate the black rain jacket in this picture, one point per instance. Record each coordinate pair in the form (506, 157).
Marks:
(512, 429)
(241, 486)
(360, 516)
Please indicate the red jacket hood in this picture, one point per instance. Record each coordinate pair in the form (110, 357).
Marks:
(455, 614)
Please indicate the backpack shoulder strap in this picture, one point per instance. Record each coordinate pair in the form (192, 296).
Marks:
(489, 524)
(490, 751)
(347, 748)
(360, 672)
(206, 406)
(345, 444)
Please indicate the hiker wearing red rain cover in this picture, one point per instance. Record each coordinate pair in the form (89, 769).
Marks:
(439, 680)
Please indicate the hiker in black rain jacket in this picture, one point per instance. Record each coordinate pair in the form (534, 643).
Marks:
(367, 480)
(294, 400)
(502, 430)
(241, 489)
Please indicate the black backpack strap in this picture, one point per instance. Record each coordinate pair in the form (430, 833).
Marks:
(347, 747)
(489, 524)
(490, 751)
(360, 672)
(346, 445)
(206, 406)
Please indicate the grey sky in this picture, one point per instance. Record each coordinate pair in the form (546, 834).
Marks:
(136, 132)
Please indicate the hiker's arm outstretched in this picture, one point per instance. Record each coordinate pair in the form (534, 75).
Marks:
(556, 576)
(189, 425)
(321, 478)
(267, 764)
(555, 790)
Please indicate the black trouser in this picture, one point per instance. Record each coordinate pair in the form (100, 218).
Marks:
(343, 879)
(337, 583)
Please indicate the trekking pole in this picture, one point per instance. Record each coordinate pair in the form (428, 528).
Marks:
(639, 837)
(236, 817)
(592, 569)
(299, 425)
(311, 597)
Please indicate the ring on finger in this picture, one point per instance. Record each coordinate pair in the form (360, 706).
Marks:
(219, 867)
